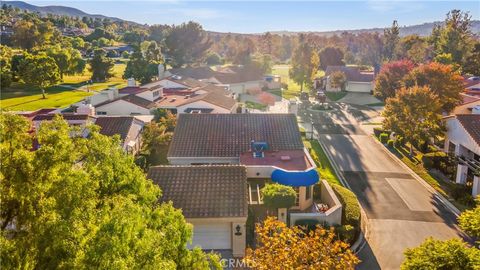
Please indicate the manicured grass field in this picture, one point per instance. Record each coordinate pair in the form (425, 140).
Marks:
(293, 88)
(19, 97)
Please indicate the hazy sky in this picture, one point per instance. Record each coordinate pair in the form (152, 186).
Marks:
(261, 16)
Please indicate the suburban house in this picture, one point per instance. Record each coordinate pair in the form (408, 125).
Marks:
(128, 128)
(463, 140)
(175, 93)
(238, 154)
(357, 81)
(213, 198)
(469, 104)
(237, 79)
(472, 85)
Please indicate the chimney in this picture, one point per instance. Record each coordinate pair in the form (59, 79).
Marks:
(131, 82)
(161, 71)
(86, 109)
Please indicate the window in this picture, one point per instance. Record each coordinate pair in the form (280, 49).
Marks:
(308, 193)
(101, 113)
(156, 93)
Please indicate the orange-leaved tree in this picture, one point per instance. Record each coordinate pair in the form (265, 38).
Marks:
(283, 247)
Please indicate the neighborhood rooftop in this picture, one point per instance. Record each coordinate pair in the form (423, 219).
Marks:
(229, 135)
(352, 73)
(471, 123)
(204, 191)
(124, 126)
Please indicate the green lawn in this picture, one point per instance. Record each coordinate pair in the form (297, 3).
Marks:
(254, 105)
(324, 167)
(334, 96)
(293, 88)
(19, 97)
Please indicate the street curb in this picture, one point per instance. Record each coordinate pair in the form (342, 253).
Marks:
(437, 194)
(361, 240)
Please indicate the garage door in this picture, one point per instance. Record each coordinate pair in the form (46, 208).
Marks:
(212, 236)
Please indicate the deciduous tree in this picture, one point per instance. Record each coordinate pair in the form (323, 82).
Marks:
(415, 114)
(283, 247)
(446, 83)
(437, 254)
(390, 78)
(304, 63)
(338, 80)
(81, 203)
(39, 70)
(331, 56)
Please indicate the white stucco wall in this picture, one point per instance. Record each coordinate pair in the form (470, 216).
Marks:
(241, 88)
(351, 86)
(459, 136)
(121, 107)
(362, 87)
(332, 216)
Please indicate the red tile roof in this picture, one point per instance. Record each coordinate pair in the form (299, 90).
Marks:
(212, 191)
(119, 125)
(229, 135)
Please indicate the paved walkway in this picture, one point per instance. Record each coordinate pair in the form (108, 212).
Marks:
(401, 211)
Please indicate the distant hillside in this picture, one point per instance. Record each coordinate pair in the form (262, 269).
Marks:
(57, 10)
(419, 29)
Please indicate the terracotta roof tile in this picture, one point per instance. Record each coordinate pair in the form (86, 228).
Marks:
(229, 135)
(121, 125)
(204, 191)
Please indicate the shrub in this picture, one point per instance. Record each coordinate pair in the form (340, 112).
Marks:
(437, 160)
(459, 191)
(350, 209)
(390, 143)
(346, 233)
(278, 196)
(399, 142)
(383, 138)
(378, 131)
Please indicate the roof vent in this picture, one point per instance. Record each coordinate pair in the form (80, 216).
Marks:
(176, 77)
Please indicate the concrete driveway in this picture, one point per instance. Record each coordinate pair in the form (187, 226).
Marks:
(401, 211)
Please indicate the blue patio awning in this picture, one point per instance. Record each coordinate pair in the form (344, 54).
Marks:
(295, 178)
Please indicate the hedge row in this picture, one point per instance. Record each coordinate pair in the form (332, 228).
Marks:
(351, 207)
